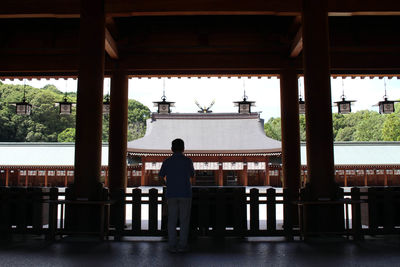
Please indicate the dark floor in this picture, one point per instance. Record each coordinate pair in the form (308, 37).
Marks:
(79, 251)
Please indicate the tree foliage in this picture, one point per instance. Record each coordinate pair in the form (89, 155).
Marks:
(364, 125)
(45, 124)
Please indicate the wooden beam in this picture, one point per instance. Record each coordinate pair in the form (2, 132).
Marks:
(297, 44)
(70, 8)
(111, 46)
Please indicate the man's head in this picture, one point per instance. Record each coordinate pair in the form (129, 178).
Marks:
(178, 145)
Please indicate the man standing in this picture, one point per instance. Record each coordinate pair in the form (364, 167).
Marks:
(177, 171)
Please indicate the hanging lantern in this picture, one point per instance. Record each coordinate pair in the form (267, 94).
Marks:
(164, 106)
(302, 106)
(386, 106)
(65, 106)
(23, 108)
(344, 106)
(106, 105)
(244, 106)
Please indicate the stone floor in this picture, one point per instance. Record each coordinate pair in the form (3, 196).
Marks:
(85, 251)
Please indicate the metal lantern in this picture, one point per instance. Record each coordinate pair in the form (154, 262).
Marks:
(23, 108)
(302, 106)
(344, 106)
(65, 106)
(244, 106)
(164, 107)
(106, 105)
(386, 106)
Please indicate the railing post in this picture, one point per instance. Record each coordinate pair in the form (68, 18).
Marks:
(220, 211)
(4, 212)
(118, 211)
(240, 208)
(136, 210)
(388, 209)
(356, 214)
(288, 215)
(204, 210)
(254, 210)
(164, 212)
(271, 210)
(53, 213)
(153, 210)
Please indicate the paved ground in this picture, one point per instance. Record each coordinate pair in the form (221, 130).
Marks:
(79, 251)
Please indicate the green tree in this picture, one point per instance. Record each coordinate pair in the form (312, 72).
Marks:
(68, 135)
(273, 128)
(391, 128)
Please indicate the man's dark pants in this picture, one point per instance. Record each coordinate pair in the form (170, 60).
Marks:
(178, 208)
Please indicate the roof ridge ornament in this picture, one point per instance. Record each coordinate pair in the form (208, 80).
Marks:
(205, 109)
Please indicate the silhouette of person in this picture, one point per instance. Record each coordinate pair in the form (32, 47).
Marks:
(178, 171)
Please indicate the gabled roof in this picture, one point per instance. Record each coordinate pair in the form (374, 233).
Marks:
(206, 133)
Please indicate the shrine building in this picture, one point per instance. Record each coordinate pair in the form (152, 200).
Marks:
(226, 148)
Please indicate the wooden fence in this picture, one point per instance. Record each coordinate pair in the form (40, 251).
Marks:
(216, 211)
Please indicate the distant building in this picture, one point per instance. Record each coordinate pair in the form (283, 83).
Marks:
(226, 148)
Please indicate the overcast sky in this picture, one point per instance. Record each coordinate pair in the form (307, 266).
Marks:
(224, 91)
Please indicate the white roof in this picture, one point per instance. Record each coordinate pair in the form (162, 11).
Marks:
(42, 154)
(206, 133)
(362, 153)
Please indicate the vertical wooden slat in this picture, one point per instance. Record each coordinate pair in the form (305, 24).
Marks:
(53, 213)
(372, 210)
(136, 210)
(271, 209)
(164, 211)
(240, 209)
(36, 206)
(289, 215)
(356, 213)
(388, 209)
(204, 210)
(254, 210)
(220, 211)
(365, 178)
(153, 208)
(21, 208)
(5, 220)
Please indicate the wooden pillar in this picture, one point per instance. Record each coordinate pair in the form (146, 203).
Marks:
(118, 130)
(7, 171)
(143, 176)
(290, 130)
(318, 99)
(365, 178)
(268, 180)
(245, 175)
(46, 177)
(89, 114)
(220, 177)
(26, 177)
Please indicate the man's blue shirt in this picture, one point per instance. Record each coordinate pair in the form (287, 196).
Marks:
(178, 169)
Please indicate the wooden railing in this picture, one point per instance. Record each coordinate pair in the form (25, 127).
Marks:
(216, 211)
